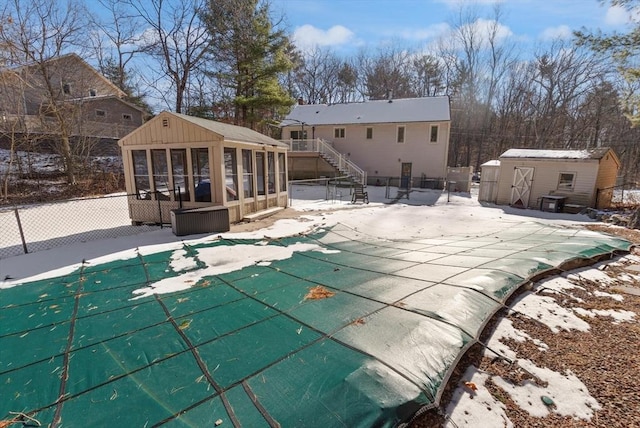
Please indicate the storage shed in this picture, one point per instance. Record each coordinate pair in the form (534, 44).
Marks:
(489, 174)
(557, 180)
(176, 162)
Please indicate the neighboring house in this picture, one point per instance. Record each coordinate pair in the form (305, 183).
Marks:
(93, 106)
(554, 180)
(178, 161)
(394, 138)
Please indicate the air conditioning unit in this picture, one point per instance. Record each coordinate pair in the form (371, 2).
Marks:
(191, 221)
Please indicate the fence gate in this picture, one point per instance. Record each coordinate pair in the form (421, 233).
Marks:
(521, 187)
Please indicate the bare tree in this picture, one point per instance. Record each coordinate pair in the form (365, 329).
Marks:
(428, 76)
(478, 54)
(561, 77)
(387, 74)
(38, 31)
(177, 41)
(316, 78)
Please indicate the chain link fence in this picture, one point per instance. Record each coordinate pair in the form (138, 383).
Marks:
(31, 228)
(624, 195)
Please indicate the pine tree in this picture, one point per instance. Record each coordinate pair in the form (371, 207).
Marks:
(249, 55)
(623, 49)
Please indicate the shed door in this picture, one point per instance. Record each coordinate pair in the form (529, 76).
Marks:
(521, 188)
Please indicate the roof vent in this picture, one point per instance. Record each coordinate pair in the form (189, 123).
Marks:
(165, 123)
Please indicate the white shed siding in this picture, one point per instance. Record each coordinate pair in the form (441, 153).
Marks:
(489, 179)
(545, 179)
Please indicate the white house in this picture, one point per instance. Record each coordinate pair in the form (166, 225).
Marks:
(394, 138)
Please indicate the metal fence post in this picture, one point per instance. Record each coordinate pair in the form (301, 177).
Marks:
(24, 242)
(159, 207)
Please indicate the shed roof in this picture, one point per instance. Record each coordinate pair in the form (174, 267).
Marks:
(493, 162)
(597, 153)
(227, 131)
(402, 110)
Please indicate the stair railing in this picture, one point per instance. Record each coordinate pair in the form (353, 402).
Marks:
(331, 155)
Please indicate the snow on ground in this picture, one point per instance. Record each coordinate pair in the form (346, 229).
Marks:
(426, 214)
(570, 397)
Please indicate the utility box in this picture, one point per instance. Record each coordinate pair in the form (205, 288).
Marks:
(552, 203)
(200, 220)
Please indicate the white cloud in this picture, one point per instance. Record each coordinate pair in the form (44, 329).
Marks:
(429, 32)
(308, 36)
(617, 15)
(559, 32)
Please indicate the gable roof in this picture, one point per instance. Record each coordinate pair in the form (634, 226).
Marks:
(597, 153)
(227, 131)
(402, 110)
(76, 58)
(109, 97)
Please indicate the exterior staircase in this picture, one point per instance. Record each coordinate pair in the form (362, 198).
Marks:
(334, 158)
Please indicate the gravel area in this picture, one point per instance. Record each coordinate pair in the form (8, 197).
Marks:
(605, 358)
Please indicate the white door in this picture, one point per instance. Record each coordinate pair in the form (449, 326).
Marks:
(521, 187)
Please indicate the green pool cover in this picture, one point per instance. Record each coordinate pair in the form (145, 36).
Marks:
(337, 329)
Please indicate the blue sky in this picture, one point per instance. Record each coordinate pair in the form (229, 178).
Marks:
(347, 25)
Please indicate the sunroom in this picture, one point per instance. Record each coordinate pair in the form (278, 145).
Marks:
(176, 162)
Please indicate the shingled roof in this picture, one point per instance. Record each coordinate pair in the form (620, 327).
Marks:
(402, 110)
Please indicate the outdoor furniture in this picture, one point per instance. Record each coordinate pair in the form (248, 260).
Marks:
(552, 203)
(359, 194)
(200, 220)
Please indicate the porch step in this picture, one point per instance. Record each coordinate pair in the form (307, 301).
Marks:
(261, 214)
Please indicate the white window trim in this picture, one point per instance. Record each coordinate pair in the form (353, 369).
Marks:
(344, 132)
(437, 133)
(573, 182)
(404, 134)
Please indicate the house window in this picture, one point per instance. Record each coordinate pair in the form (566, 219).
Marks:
(260, 172)
(282, 171)
(400, 134)
(338, 133)
(433, 136)
(271, 172)
(66, 88)
(299, 135)
(126, 116)
(247, 173)
(231, 173)
(201, 177)
(92, 92)
(180, 175)
(566, 181)
(160, 171)
(369, 133)
(101, 113)
(141, 174)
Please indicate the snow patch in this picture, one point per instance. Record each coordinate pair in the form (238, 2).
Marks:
(617, 297)
(476, 408)
(617, 315)
(545, 310)
(219, 260)
(570, 396)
